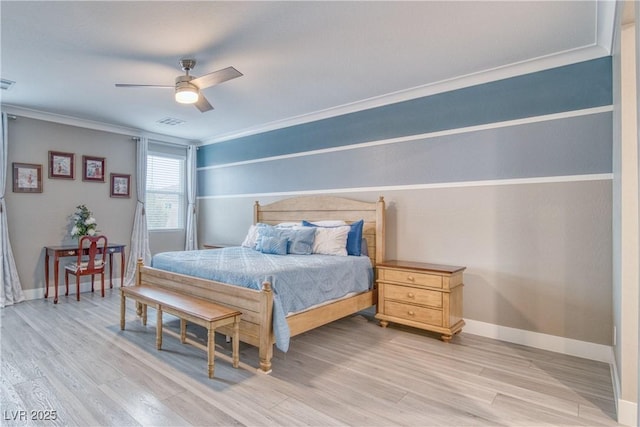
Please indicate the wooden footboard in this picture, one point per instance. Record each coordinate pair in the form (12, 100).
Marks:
(255, 306)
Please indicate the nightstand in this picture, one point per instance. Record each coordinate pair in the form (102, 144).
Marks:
(421, 295)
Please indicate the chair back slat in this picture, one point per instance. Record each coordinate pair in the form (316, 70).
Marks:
(96, 247)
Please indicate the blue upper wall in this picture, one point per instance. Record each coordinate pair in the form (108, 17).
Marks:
(572, 87)
(563, 146)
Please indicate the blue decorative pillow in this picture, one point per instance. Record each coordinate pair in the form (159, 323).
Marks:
(269, 231)
(301, 240)
(354, 238)
(273, 245)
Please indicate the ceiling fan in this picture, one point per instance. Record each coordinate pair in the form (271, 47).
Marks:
(188, 87)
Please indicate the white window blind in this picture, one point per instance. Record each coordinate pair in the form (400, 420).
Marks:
(165, 207)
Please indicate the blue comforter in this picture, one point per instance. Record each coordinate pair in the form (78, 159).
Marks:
(298, 281)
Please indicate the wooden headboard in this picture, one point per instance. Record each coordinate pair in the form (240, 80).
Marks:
(317, 208)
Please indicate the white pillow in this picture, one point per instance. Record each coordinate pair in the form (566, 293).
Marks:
(331, 241)
(250, 239)
(289, 224)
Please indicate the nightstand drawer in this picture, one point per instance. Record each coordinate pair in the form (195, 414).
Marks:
(413, 312)
(413, 295)
(411, 277)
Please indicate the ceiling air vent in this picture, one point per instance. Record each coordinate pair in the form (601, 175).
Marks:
(6, 84)
(169, 121)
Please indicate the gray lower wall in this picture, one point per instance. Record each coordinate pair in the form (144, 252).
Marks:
(537, 255)
(42, 219)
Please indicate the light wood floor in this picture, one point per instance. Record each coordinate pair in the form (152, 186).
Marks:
(72, 358)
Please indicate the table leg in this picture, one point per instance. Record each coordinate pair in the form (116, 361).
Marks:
(235, 345)
(183, 331)
(158, 327)
(123, 309)
(110, 270)
(210, 350)
(56, 262)
(144, 314)
(46, 273)
(122, 267)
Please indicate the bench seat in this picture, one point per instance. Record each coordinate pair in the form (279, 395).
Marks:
(188, 309)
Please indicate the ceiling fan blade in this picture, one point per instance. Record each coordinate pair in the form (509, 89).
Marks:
(216, 77)
(151, 86)
(203, 105)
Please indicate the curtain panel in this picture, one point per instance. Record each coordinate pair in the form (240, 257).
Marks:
(11, 289)
(191, 241)
(140, 234)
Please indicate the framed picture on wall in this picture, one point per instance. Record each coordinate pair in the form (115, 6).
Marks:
(27, 178)
(93, 168)
(61, 165)
(120, 184)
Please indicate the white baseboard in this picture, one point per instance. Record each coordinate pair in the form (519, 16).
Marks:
(31, 294)
(587, 350)
(627, 412)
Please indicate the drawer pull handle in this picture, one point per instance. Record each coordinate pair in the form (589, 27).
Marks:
(410, 313)
(411, 278)
(410, 295)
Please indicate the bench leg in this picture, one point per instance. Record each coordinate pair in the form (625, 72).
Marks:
(158, 326)
(235, 344)
(211, 336)
(123, 305)
(144, 314)
(183, 331)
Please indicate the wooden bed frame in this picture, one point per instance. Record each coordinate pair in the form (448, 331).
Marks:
(256, 306)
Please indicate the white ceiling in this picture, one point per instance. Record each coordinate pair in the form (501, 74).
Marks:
(300, 60)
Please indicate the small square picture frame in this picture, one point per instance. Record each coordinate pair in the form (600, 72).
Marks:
(93, 168)
(27, 178)
(61, 165)
(120, 185)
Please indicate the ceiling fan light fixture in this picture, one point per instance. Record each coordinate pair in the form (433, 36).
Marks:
(186, 93)
(187, 87)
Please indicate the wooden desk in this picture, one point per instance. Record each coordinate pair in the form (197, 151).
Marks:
(72, 251)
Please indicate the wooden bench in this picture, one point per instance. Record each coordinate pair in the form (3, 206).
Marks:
(188, 309)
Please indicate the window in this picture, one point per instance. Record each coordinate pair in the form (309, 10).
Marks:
(165, 207)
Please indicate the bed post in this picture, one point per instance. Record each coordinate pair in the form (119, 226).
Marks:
(266, 329)
(256, 208)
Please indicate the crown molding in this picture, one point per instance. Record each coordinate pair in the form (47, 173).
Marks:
(89, 124)
(605, 24)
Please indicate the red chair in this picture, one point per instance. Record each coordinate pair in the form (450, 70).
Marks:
(93, 249)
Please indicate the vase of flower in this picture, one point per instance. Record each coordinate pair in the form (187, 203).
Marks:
(84, 223)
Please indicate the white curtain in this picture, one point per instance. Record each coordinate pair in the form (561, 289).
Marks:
(140, 235)
(11, 289)
(191, 241)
